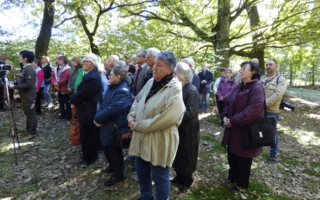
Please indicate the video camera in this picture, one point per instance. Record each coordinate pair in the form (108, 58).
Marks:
(5, 67)
(285, 104)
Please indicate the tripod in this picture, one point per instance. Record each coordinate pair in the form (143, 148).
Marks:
(6, 99)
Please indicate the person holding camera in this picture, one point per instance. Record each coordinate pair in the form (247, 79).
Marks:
(27, 91)
(275, 86)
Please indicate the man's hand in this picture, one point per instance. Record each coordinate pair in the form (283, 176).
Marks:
(97, 125)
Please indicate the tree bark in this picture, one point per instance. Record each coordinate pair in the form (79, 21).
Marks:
(43, 40)
(222, 37)
(257, 50)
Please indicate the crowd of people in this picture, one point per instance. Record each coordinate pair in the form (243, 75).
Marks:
(158, 100)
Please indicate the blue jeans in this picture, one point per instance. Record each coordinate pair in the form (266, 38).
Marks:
(204, 97)
(160, 177)
(46, 93)
(274, 149)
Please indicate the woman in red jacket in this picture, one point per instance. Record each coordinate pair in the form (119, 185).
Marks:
(59, 80)
(239, 113)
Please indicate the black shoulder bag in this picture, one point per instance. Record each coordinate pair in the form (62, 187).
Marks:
(261, 132)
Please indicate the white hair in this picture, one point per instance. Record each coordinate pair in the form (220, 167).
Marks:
(189, 61)
(153, 51)
(184, 72)
(114, 57)
(91, 57)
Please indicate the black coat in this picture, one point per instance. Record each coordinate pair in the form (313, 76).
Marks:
(185, 161)
(195, 80)
(87, 97)
(205, 87)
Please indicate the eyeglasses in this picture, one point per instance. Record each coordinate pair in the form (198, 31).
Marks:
(245, 69)
(140, 56)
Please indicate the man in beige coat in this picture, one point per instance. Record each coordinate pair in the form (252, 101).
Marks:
(275, 86)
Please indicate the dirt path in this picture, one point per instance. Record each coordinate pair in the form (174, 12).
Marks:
(46, 168)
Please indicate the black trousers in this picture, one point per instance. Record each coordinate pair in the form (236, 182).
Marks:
(64, 105)
(185, 179)
(38, 101)
(240, 169)
(220, 105)
(114, 156)
(88, 137)
(1, 96)
(11, 92)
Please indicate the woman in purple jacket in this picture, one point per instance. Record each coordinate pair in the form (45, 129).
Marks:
(238, 113)
(227, 83)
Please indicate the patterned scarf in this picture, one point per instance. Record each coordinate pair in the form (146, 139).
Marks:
(156, 86)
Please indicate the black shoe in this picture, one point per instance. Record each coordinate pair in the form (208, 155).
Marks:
(175, 180)
(236, 188)
(82, 164)
(107, 170)
(183, 189)
(113, 180)
(271, 160)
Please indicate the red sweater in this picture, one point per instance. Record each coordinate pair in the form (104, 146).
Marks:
(40, 76)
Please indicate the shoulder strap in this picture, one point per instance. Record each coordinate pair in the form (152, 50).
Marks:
(264, 104)
(278, 79)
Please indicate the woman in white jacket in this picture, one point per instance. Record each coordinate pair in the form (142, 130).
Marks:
(155, 117)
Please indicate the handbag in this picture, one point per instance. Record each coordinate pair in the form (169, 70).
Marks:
(75, 128)
(123, 140)
(261, 132)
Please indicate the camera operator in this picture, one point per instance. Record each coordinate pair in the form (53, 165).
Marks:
(1, 92)
(10, 74)
(27, 91)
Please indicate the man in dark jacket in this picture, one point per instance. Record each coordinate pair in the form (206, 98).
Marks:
(27, 91)
(86, 99)
(206, 78)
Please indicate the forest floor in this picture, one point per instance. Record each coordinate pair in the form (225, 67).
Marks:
(46, 165)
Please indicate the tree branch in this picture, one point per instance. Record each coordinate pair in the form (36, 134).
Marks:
(64, 20)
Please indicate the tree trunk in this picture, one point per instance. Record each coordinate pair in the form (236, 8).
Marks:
(94, 48)
(222, 36)
(257, 50)
(43, 40)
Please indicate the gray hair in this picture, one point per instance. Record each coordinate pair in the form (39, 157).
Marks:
(168, 57)
(184, 72)
(119, 71)
(142, 52)
(153, 51)
(189, 61)
(61, 53)
(255, 60)
(114, 57)
(228, 70)
(121, 64)
(91, 58)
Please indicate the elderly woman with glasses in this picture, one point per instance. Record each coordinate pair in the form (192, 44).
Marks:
(185, 162)
(155, 117)
(240, 110)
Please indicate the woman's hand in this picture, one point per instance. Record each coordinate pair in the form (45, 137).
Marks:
(131, 124)
(97, 125)
(227, 122)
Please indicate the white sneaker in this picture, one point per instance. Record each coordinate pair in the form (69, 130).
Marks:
(50, 105)
(44, 105)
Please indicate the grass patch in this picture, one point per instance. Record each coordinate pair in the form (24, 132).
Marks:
(256, 191)
(213, 120)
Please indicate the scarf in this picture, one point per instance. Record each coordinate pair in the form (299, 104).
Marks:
(156, 86)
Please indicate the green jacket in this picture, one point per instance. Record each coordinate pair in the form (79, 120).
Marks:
(78, 80)
(26, 84)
